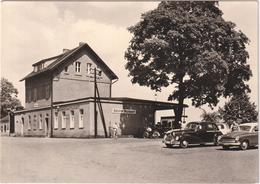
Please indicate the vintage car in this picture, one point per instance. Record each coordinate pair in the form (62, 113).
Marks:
(245, 136)
(224, 128)
(194, 133)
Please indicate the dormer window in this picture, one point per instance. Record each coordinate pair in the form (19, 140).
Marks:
(38, 67)
(77, 67)
(66, 69)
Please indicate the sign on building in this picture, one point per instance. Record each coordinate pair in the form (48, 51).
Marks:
(123, 111)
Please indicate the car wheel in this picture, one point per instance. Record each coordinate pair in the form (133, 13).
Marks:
(184, 144)
(146, 135)
(156, 135)
(168, 145)
(244, 145)
(225, 147)
(216, 140)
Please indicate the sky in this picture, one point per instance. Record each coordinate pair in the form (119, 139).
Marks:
(32, 31)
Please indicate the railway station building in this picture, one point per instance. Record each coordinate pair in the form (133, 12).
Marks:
(70, 95)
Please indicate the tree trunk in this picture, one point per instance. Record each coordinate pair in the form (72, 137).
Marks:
(179, 110)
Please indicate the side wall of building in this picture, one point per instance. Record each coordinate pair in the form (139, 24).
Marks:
(34, 123)
(70, 85)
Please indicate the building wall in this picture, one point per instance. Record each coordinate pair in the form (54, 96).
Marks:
(25, 126)
(129, 123)
(4, 128)
(70, 85)
(40, 84)
(76, 131)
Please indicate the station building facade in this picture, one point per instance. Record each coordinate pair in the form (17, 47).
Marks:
(69, 95)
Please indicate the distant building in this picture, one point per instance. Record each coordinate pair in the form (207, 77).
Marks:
(4, 126)
(63, 92)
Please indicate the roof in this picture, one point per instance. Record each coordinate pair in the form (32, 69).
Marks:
(61, 58)
(159, 105)
(248, 124)
(4, 119)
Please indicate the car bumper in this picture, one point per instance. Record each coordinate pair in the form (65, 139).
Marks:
(172, 142)
(229, 143)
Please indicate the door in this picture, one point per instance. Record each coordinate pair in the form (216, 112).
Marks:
(46, 127)
(22, 126)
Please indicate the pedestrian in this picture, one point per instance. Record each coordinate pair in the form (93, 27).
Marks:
(115, 130)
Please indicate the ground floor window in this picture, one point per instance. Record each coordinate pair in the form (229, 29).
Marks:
(29, 123)
(81, 112)
(63, 120)
(56, 125)
(40, 122)
(72, 119)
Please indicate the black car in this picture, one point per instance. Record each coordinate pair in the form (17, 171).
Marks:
(194, 133)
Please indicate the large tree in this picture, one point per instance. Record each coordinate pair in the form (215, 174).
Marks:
(239, 109)
(189, 46)
(9, 98)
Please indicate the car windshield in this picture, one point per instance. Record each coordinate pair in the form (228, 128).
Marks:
(192, 126)
(244, 128)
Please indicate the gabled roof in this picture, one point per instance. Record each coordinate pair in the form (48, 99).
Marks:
(59, 59)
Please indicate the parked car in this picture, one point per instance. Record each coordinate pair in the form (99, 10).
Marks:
(245, 136)
(224, 128)
(194, 133)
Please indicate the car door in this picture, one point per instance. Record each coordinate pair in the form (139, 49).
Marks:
(254, 136)
(210, 132)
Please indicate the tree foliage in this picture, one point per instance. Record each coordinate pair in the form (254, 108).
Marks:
(8, 97)
(239, 109)
(189, 46)
(211, 117)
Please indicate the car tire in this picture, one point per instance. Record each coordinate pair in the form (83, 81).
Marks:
(184, 144)
(156, 135)
(225, 147)
(216, 140)
(244, 145)
(146, 135)
(168, 145)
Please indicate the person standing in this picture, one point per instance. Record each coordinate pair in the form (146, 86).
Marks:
(115, 130)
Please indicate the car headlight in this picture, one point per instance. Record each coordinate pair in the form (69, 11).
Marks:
(177, 138)
(237, 138)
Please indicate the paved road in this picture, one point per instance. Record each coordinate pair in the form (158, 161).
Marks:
(122, 160)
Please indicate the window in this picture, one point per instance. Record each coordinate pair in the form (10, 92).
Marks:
(34, 122)
(66, 69)
(71, 119)
(81, 112)
(63, 122)
(47, 91)
(77, 67)
(29, 122)
(40, 122)
(88, 68)
(34, 94)
(56, 126)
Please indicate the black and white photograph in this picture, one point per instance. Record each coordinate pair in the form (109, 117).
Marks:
(129, 91)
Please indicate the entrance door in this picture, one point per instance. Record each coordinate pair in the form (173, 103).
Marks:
(22, 126)
(46, 127)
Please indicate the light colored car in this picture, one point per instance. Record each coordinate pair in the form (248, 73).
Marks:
(224, 128)
(244, 137)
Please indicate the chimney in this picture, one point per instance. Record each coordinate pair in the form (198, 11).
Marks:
(65, 50)
(81, 43)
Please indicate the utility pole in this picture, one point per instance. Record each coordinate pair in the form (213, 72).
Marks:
(95, 102)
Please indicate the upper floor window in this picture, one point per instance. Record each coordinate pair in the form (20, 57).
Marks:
(88, 68)
(77, 67)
